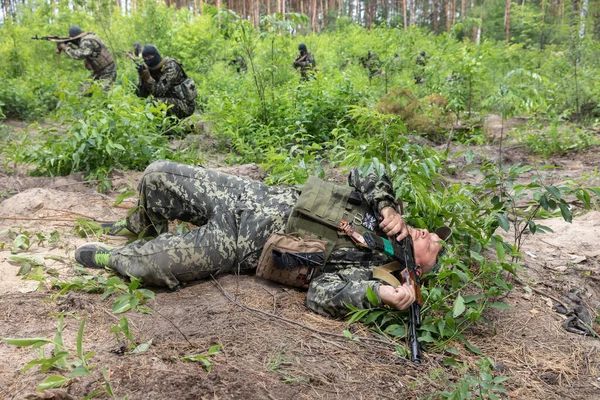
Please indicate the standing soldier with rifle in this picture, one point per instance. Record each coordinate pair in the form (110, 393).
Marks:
(89, 47)
(306, 62)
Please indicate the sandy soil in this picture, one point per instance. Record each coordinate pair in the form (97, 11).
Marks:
(285, 351)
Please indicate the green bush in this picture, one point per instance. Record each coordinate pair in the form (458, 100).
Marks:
(105, 131)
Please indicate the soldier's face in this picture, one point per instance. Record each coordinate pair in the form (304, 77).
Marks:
(427, 246)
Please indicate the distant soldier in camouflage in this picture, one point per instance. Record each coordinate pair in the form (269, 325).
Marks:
(89, 47)
(238, 62)
(306, 62)
(235, 217)
(164, 78)
(371, 63)
(421, 63)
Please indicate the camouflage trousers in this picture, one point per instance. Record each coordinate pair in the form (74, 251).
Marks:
(107, 76)
(179, 108)
(234, 218)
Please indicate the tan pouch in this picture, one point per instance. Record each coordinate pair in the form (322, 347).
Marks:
(289, 242)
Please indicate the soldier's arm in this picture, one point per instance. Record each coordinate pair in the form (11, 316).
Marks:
(171, 74)
(329, 293)
(141, 89)
(379, 193)
(85, 49)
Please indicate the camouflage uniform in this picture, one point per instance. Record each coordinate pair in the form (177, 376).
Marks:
(307, 65)
(235, 216)
(371, 62)
(97, 58)
(166, 77)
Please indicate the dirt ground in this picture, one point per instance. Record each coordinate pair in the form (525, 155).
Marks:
(273, 347)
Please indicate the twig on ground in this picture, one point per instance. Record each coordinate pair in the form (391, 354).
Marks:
(72, 212)
(289, 321)
(176, 327)
(45, 219)
(538, 291)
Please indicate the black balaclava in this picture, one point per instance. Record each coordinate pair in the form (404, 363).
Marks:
(151, 50)
(302, 48)
(137, 49)
(75, 31)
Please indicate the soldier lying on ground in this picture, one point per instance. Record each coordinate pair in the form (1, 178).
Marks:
(165, 79)
(235, 218)
(90, 48)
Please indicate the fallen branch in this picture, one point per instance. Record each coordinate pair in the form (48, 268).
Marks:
(289, 321)
(47, 219)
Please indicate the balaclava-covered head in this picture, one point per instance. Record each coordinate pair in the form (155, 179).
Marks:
(151, 50)
(137, 49)
(75, 31)
(302, 48)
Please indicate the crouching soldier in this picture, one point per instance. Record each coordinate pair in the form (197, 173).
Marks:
(165, 79)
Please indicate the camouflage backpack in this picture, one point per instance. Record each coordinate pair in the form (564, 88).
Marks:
(186, 90)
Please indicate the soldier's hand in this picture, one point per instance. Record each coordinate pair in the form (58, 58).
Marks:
(400, 297)
(144, 74)
(139, 67)
(393, 224)
(60, 46)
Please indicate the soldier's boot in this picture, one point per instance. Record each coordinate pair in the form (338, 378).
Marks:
(93, 255)
(118, 228)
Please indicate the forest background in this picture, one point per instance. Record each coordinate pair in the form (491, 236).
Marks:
(536, 60)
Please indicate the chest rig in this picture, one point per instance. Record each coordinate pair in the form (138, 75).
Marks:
(320, 209)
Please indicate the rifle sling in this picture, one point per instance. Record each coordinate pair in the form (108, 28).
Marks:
(384, 273)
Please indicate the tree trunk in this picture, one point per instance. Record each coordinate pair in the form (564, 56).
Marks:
(436, 16)
(584, 10)
(404, 11)
(507, 21)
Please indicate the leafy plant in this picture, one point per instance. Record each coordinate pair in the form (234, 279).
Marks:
(123, 328)
(204, 358)
(61, 359)
(129, 297)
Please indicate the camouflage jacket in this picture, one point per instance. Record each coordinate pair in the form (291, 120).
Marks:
(347, 273)
(307, 63)
(164, 80)
(93, 51)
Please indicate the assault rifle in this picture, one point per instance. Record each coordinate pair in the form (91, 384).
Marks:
(403, 253)
(57, 39)
(138, 64)
(300, 59)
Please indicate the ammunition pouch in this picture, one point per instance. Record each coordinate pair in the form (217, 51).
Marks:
(291, 259)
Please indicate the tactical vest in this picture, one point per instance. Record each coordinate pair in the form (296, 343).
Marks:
(101, 61)
(319, 210)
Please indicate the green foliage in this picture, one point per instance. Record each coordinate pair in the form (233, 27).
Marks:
(203, 358)
(557, 138)
(104, 133)
(129, 297)
(482, 385)
(61, 359)
(123, 328)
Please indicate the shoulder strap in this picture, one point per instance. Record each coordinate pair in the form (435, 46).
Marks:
(160, 64)
(384, 273)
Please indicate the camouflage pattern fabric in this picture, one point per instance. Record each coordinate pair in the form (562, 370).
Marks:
(161, 87)
(307, 65)
(107, 76)
(88, 47)
(235, 216)
(371, 62)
